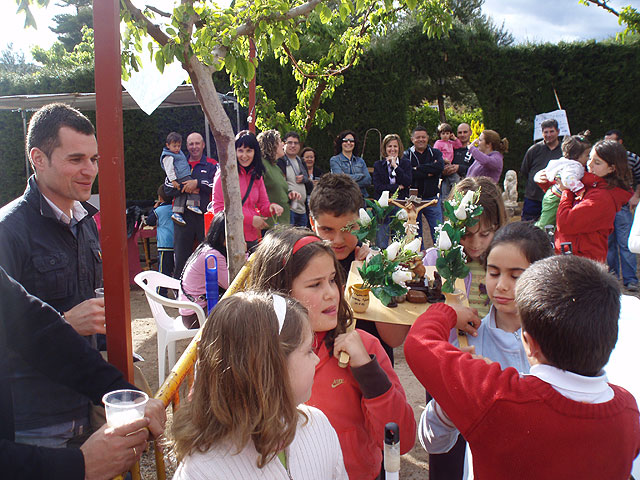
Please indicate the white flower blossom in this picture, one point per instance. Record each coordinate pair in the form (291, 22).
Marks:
(461, 211)
(414, 245)
(401, 276)
(365, 219)
(392, 250)
(402, 215)
(384, 199)
(444, 242)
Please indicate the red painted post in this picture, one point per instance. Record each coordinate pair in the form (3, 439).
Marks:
(106, 21)
(252, 89)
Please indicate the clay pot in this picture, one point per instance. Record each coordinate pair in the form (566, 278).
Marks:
(359, 298)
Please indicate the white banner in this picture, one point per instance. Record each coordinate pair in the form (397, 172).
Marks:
(559, 116)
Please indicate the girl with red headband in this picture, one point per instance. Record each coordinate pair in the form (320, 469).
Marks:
(361, 398)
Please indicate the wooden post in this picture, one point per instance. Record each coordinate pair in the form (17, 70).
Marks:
(106, 15)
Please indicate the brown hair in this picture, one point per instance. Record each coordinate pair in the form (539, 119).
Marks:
(268, 142)
(336, 194)
(615, 155)
(337, 142)
(492, 137)
(493, 211)
(386, 140)
(275, 267)
(241, 391)
(575, 145)
(444, 127)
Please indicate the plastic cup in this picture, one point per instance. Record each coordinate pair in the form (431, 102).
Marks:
(124, 406)
(99, 292)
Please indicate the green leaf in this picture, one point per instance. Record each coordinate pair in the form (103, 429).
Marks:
(230, 63)
(294, 41)
(325, 13)
(411, 4)
(276, 39)
(159, 57)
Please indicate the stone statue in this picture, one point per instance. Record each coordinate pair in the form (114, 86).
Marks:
(510, 194)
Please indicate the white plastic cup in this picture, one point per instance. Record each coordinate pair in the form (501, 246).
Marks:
(124, 406)
(99, 292)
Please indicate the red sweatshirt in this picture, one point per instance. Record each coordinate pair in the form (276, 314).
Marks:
(359, 402)
(519, 427)
(587, 223)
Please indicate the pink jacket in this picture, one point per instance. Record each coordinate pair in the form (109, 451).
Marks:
(358, 420)
(257, 203)
(193, 278)
(447, 147)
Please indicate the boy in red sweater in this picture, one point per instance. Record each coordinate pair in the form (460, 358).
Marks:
(563, 420)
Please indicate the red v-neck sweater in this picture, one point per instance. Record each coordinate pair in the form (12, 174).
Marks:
(519, 427)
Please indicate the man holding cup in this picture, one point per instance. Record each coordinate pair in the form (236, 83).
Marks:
(51, 347)
(50, 246)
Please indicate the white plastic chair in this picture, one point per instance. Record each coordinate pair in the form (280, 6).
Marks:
(169, 329)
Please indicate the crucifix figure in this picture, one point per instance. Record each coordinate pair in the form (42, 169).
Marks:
(412, 205)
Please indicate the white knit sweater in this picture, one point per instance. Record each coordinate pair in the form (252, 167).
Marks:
(314, 454)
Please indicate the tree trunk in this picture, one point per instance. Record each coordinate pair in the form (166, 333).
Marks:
(315, 104)
(225, 142)
(441, 110)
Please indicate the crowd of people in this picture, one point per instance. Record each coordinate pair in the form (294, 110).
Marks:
(527, 399)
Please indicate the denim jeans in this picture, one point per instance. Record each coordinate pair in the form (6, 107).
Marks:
(53, 436)
(433, 215)
(531, 210)
(619, 257)
(298, 219)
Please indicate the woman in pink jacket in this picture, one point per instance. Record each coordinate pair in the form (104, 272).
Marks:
(255, 202)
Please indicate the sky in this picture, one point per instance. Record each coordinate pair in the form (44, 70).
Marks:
(535, 21)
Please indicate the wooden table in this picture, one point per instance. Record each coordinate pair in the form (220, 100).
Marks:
(404, 314)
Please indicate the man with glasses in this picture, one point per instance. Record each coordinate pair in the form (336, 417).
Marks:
(297, 178)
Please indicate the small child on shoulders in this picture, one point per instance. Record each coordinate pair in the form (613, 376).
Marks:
(569, 170)
(563, 420)
(447, 144)
(177, 169)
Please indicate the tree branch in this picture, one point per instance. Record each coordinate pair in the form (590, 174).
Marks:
(152, 29)
(603, 4)
(299, 11)
(158, 11)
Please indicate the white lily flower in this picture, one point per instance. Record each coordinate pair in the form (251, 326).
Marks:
(402, 215)
(384, 199)
(444, 242)
(401, 276)
(460, 213)
(365, 219)
(392, 250)
(414, 245)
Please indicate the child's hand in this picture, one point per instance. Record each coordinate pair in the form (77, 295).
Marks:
(175, 185)
(468, 319)
(276, 209)
(294, 196)
(362, 252)
(541, 176)
(351, 343)
(259, 222)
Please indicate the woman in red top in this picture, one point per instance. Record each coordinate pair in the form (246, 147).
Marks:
(585, 221)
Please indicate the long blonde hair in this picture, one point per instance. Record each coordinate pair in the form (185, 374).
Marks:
(241, 391)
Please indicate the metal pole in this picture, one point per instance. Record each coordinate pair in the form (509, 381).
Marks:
(27, 164)
(113, 236)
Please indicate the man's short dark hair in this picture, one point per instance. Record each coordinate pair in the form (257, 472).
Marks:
(549, 123)
(570, 305)
(336, 194)
(615, 132)
(419, 128)
(174, 137)
(291, 134)
(46, 123)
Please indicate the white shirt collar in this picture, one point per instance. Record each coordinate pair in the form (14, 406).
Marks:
(573, 386)
(78, 212)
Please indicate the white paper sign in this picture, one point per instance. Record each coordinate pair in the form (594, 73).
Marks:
(559, 116)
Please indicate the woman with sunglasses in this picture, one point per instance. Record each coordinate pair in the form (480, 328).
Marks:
(346, 161)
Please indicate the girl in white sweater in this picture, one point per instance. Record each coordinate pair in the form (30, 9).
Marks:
(244, 420)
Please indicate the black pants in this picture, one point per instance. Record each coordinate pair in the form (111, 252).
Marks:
(450, 465)
(186, 238)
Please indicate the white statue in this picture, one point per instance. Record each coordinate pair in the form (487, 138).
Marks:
(510, 194)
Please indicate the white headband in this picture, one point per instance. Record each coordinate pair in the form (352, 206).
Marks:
(280, 307)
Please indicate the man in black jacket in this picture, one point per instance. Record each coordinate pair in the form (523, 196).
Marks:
(426, 167)
(50, 346)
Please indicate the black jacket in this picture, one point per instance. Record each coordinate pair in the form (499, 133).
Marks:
(50, 346)
(425, 175)
(382, 181)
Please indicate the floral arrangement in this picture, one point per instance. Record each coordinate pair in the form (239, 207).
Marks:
(460, 213)
(387, 272)
(368, 225)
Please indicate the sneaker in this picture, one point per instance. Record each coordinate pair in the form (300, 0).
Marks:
(632, 287)
(194, 209)
(177, 218)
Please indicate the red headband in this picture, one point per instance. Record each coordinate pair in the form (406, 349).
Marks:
(304, 241)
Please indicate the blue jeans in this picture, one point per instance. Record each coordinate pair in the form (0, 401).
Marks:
(53, 436)
(531, 210)
(619, 257)
(433, 215)
(298, 219)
